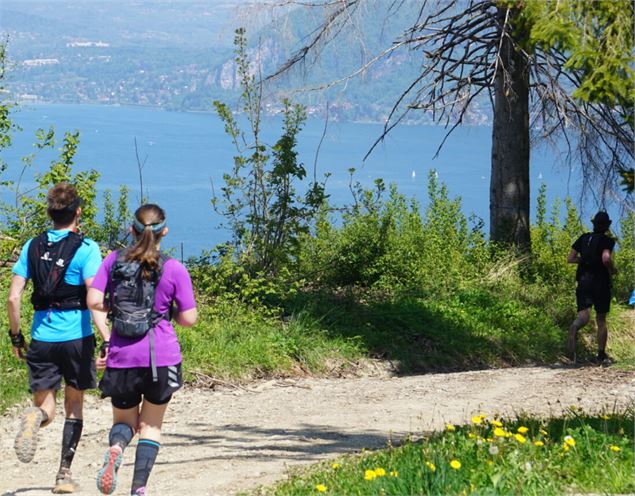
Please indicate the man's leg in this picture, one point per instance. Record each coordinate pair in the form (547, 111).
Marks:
(581, 320)
(31, 419)
(600, 318)
(77, 364)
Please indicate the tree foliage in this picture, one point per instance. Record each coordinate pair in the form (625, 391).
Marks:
(259, 199)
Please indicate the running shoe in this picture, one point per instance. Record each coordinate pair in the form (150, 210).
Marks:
(26, 439)
(64, 483)
(107, 476)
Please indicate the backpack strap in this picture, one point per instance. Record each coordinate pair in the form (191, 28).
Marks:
(156, 318)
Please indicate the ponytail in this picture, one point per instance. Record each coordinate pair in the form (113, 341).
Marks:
(148, 223)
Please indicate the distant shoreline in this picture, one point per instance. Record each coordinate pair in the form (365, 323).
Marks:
(26, 103)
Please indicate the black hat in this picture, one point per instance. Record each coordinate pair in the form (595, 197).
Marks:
(601, 219)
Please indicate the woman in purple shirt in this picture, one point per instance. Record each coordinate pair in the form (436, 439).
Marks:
(140, 383)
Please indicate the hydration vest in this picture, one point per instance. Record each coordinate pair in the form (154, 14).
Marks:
(48, 262)
(132, 301)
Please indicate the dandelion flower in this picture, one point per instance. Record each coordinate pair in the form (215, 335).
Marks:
(605, 417)
(477, 419)
(565, 447)
(450, 427)
(522, 429)
(380, 472)
(394, 473)
(539, 444)
(336, 466)
(543, 432)
(321, 488)
(496, 423)
(528, 467)
(431, 466)
(617, 449)
(569, 440)
(471, 435)
(520, 438)
(455, 464)
(493, 450)
(499, 432)
(370, 475)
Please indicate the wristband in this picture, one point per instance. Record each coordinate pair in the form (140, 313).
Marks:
(17, 340)
(103, 347)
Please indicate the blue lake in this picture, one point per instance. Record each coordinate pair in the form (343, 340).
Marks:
(187, 151)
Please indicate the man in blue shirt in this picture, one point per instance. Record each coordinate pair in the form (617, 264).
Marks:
(61, 264)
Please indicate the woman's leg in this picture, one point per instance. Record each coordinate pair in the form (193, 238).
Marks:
(124, 425)
(150, 422)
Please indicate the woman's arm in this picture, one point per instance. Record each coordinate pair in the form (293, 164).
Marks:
(187, 318)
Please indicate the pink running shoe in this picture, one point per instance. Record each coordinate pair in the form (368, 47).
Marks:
(107, 476)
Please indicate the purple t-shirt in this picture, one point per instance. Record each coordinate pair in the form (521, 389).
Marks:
(175, 285)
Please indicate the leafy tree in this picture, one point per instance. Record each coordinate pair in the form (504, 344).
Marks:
(537, 63)
(265, 213)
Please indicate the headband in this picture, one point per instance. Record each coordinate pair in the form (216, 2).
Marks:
(156, 228)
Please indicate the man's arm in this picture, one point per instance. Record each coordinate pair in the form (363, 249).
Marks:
(18, 283)
(607, 260)
(573, 257)
(98, 309)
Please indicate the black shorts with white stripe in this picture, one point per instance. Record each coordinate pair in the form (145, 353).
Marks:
(128, 387)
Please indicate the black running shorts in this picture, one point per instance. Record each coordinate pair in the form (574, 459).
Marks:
(596, 295)
(73, 360)
(127, 387)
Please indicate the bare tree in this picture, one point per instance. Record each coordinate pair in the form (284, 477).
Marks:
(480, 50)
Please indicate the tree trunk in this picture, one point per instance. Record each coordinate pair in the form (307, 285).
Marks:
(509, 182)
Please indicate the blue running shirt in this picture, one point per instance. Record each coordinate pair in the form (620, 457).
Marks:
(55, 326)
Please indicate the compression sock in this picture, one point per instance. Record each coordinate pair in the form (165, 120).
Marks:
(147, 451)
(120, 434)
(70, 439)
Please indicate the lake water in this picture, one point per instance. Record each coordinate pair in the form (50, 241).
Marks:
(187, 151)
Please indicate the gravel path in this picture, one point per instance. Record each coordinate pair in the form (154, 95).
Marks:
(220, 442)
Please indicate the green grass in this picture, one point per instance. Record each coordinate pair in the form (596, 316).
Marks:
(579, 454)
(470, 329)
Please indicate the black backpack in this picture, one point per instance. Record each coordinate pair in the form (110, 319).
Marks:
(132, 301)
(48, 263)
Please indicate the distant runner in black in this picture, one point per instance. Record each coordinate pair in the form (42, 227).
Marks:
(592, 252)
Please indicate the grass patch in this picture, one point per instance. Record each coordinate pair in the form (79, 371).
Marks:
(577, 453)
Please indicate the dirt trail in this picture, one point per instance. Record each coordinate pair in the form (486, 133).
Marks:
(220, 442)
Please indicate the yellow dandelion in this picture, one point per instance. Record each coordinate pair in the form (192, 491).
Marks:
(490, 462)
(455, 464)
(394, 473)
(617, 449)
(605, 417)
(565, 447)
(569, 441)
(522, 429)
(520, 438)
(431, 466)
(483, 416)
(380, 472)
(539, 444)
(490, 440)
(336, 466)
(471, 435)
(321, 488)
(450, 427)
(543, 432)
(498, 432)
(370, 475)
(496, 423)
(477, 419)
